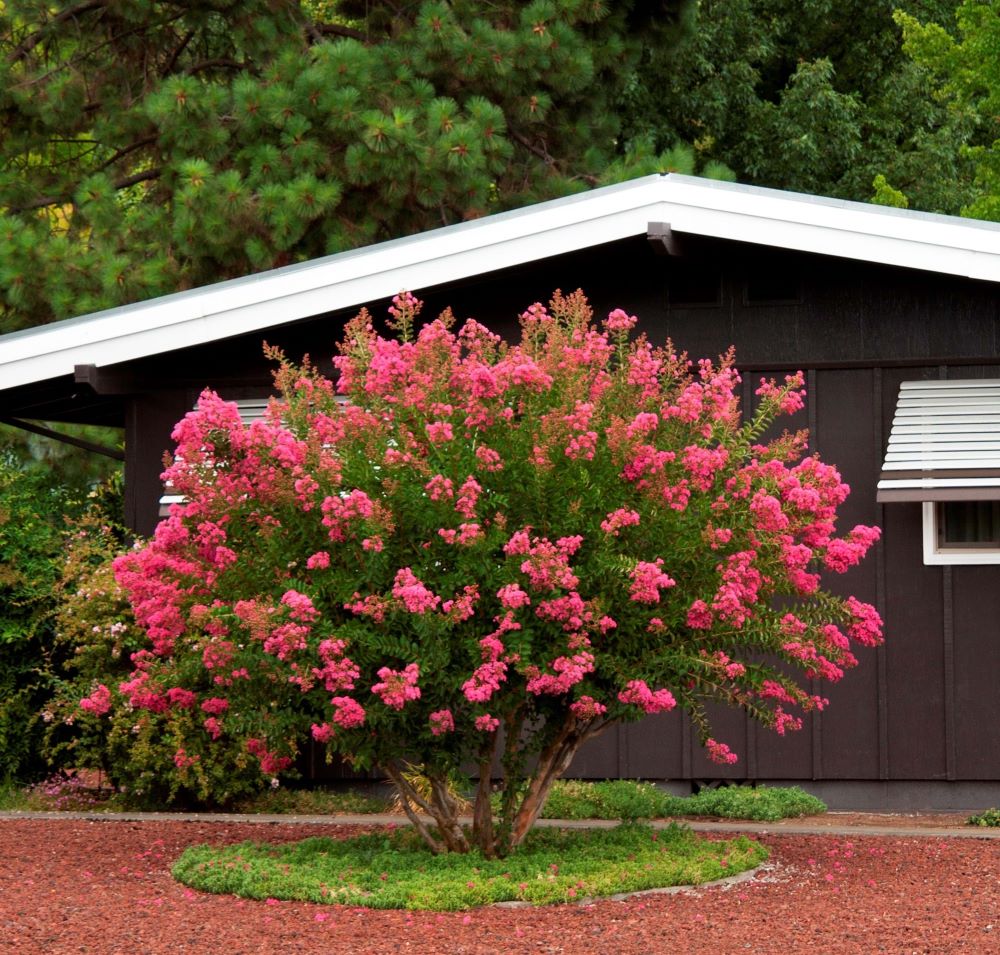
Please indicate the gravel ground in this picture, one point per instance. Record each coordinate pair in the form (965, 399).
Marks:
(104, 887)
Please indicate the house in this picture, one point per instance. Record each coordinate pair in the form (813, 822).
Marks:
(894, 317)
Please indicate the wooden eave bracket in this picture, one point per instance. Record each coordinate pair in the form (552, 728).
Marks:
(663, 239)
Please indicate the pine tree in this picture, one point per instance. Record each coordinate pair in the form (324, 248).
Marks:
(148, 146)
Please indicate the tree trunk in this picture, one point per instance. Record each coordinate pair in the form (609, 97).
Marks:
(441, 808)
(482, 819)
(552, 763)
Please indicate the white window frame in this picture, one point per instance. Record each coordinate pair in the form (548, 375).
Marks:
(934, 554)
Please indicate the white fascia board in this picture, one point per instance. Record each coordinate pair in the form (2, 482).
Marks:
(851, 230)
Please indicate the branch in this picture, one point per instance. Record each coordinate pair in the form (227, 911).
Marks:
(124, 151)
(337, 29)
(27, 45)
(176, 55)
(218, 61)
(405, 792)
(531, 147)
(61, 200)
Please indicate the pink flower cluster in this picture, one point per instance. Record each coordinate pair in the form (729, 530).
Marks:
(415, 597)
(587, 708)
(720, 752)
(397, 687)
(442, 721)
(403, 494)
(617, 519)
(99, 701)
(637, 693)
(648, 580)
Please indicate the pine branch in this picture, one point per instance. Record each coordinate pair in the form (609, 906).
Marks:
(338, 29)
(176, 55)
(124, 183)
(220, 61)
(28, 44)
(124, 151)
(538, 151)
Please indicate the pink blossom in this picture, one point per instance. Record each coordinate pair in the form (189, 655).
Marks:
(181, 698)
(398, 686)
(318, 561)
(620, 321)
(439, 487)
(182, 760)
(442, 722)
(617, 519)
(488, 459)
(866, 625)
(99, 701)
(638, 693)
(215, 705)
(720, 752)
(439, 431)
(702, 464)
(568, 671)
(647, 581)
(349, 713)
(213, 726)
(416, 598)
(767, 513)
(587, 708)
(512, 597)
(699, 617)
(487, 723)
(322, 732)
(485, 681)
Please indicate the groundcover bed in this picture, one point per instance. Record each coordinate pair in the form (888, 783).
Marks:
(72, 886)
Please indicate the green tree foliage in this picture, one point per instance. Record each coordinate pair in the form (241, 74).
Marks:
(814, 96)
(30, 556)
(150, 146)
(966, 70)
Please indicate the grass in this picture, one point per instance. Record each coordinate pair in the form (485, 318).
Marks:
(395, 870)
(627, 800)
(989, 817)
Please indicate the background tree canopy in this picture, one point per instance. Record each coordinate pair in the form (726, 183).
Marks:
(815, 96)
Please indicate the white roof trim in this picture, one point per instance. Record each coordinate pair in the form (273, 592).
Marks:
(945, 438)
(703, 207)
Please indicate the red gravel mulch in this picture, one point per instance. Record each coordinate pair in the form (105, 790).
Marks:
(71, 886)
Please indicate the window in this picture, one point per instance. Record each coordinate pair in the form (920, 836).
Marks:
(944, 451)
(961, 532)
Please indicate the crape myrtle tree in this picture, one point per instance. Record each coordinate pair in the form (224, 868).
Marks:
(490, 554)
(148, 146)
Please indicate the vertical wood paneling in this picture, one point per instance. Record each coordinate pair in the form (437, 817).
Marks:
(948, 651)
(976, 651)
(914, 647)
(879, 437)
(846, 733)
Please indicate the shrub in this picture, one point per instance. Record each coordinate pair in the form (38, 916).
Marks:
(32, 514)
(492, 552)
(989, 817)
(96, 635)
(761, 803)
